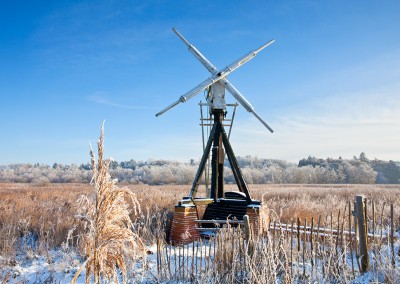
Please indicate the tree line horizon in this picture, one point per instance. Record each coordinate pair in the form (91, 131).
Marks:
(310, 170)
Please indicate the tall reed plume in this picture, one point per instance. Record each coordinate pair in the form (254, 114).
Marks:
(110, 244)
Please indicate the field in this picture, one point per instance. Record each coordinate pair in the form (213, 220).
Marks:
(38, 221)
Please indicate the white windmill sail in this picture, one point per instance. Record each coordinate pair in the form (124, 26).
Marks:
(219, 76)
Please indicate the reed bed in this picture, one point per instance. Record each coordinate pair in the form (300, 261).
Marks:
(274, 259)
(35, 218)
(43, 214)
(304, 251)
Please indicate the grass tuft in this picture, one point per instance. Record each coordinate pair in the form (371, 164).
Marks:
(109, 243)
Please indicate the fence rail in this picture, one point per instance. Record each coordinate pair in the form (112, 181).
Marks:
(326, 232)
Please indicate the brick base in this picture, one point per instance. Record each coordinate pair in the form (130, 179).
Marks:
(254, 217)
(183, 230)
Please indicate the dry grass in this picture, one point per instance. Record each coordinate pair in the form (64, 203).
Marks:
(44, 214)
(298, 201)
(109, 240)
(47, 212)
(38, 217)
(273, 259)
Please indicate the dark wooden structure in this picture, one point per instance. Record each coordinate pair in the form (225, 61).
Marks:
(220, 205)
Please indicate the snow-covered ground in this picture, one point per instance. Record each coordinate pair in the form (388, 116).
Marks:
(60, 266)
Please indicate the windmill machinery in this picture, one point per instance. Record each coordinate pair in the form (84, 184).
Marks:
(220, 206)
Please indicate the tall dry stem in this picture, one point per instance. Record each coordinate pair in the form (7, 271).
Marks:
(110, 242)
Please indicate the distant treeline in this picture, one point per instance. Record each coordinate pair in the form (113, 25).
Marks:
(255, 170)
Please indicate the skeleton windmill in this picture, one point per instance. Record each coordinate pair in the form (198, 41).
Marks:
(220, 206)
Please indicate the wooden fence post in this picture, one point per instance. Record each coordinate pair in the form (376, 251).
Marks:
(248, 232)
(360, 214)
(351, 241)
(246, 227)
(392, 234)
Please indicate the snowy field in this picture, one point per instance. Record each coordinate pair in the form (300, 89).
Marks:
(50, 212)
(60, 266)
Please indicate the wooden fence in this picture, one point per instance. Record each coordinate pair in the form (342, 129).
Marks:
(339, 247)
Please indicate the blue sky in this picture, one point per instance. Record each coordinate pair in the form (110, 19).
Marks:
(329, 86)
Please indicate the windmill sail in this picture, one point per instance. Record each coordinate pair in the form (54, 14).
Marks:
(214, 71)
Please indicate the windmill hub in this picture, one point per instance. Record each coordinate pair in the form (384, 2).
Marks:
(218, 96)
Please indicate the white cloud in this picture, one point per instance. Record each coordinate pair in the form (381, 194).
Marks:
(101, 98)
(342, 125)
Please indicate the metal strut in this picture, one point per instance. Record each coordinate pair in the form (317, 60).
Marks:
(219, 143)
